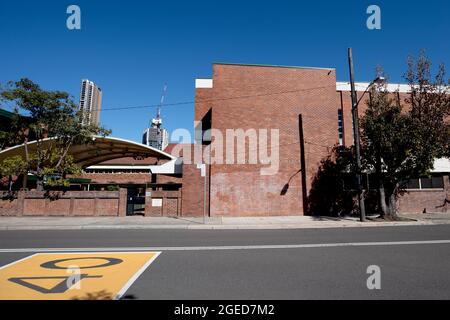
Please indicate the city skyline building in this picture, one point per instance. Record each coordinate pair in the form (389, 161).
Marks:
(90, 102)
(155, 137)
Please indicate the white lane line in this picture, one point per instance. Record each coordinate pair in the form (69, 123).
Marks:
(242, 247)
(17, 261)
(135, 276)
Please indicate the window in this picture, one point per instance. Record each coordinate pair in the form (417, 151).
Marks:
(433, 182)
(413, 184)
(340, 127)
(206, 127)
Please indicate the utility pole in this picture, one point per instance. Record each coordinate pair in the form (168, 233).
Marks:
(362, 208)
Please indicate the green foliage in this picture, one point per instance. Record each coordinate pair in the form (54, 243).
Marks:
(112, 187)
(49, 114)
(55, 175)
(401, 139)
(13, 166)
(4, 139)
(328, 194)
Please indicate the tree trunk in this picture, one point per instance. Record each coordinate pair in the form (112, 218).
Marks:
(27, 160)
(381, 191)
(39, 184)
(393, 206)
(39, 161)
(391, 203)
(39, 180)
(64, 154)
(382, 194)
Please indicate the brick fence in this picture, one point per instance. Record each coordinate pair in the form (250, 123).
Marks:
(68, 203)
(163, 203)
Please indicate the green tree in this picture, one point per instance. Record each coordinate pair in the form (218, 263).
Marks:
(50, 115)
(12, 167)
(400, 141)
(329, 194)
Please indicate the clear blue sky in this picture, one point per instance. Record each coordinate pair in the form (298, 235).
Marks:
(131, 48)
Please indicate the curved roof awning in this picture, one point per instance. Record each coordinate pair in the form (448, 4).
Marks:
(97, 151)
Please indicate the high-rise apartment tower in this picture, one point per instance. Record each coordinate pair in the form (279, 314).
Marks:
(90, 102)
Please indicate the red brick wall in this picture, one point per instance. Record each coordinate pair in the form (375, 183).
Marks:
(203, 97)
(240, 189)
(192, 192)
(9, 207)
(170, 206)
(128, 178)
(163, 178)
(171, 203)
(70, 203)
(117, 178)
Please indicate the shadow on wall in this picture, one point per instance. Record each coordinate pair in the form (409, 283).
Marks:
(285, 188)
(328, 195)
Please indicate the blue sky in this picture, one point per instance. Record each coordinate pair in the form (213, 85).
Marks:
(131, 48)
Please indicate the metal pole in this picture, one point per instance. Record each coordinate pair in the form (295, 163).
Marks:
(362, 208)
(204, 196)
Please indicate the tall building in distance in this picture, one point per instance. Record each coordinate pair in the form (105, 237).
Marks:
(156, 136)
(90, 102)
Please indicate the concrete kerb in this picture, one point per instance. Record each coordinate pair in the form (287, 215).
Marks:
(197, 226)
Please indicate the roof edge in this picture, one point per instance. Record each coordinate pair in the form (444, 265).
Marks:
(95, 137)
(270, 65)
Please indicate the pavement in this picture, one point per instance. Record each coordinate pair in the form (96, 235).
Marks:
(275, 222)
(315, 263)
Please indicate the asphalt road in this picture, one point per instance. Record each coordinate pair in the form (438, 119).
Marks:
(186, 271)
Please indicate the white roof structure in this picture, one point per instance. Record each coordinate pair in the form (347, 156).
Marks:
(96, 151)
(203, 83)
(362, 86)
(441, 165)
(170, 167)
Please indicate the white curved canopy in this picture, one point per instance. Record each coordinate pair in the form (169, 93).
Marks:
(98, 150)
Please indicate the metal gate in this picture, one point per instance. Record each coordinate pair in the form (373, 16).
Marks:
(135, 202)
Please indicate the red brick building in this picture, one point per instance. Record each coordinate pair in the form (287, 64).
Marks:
(256, 104)
(272, 97)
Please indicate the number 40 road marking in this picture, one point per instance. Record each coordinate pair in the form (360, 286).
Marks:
(50, 276)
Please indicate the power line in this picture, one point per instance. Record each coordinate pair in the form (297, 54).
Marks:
(213, 100)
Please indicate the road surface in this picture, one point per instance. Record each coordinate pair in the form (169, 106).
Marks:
(326, 263)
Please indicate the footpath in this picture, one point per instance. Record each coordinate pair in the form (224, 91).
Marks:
(275, 222)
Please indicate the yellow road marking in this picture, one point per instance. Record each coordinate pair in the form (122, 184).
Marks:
(60, 276)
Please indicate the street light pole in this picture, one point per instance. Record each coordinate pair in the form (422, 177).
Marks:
(362, 208)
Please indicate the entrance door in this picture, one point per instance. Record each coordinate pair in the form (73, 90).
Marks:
(135, 201)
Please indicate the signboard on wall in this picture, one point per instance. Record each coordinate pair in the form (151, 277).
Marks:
(157, 202)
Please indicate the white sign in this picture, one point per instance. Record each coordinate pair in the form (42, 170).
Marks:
(157, 202)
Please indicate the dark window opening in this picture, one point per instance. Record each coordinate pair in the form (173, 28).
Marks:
(340, 127)
(206, 127)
